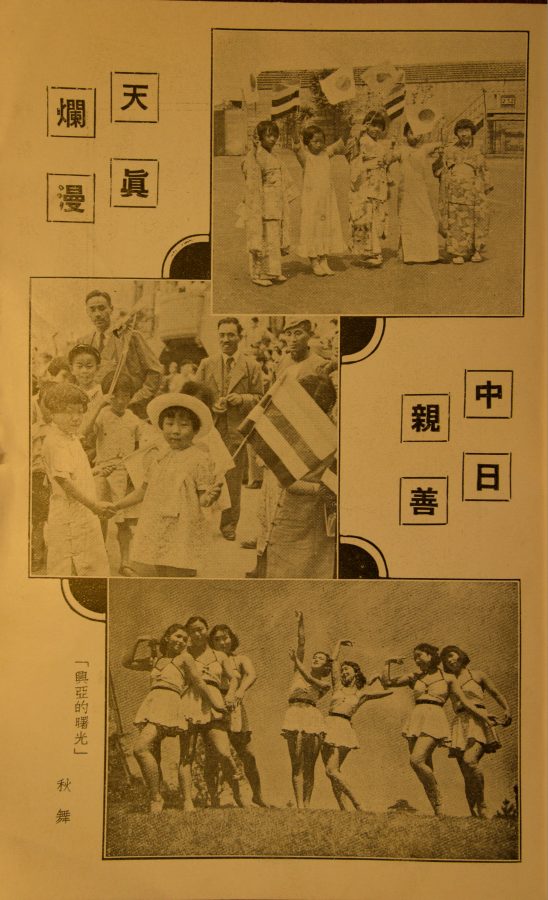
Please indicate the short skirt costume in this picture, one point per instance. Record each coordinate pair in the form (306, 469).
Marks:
(238, 722)
(339, 731)
(212, 672)
(427, 716)
(170, 703)
(466, 729)
(302, 714)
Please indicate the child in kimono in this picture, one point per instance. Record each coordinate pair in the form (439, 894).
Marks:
(265, 209)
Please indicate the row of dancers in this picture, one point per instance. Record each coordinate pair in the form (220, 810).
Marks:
(199, 682)
(462, 217)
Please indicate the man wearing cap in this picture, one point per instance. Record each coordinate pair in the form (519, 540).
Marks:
(236, 383)
(140, 362)
(299, 360)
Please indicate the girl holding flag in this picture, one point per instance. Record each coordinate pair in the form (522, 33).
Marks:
(265, 209)
(321, 232)
(370, 155)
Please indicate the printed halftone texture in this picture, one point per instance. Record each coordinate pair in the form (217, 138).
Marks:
(382, 619)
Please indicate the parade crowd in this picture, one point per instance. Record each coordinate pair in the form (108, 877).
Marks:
(162, 453)
(461, 217)
(199, 679)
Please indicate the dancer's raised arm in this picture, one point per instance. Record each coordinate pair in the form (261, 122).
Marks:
(141, 663)
(387, 680)
(315, 682)
(300, 635)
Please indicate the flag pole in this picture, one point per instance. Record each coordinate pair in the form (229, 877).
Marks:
(264, 402)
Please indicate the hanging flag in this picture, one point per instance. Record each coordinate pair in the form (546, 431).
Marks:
(284, 100)
(339, 86)
(292, 434)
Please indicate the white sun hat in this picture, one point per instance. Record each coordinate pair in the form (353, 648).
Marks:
(184, 401)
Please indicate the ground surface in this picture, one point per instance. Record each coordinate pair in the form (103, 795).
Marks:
(308, 833)
(490, 288)
(226, 559)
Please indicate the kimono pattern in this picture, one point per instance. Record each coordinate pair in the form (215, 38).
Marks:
(265, 212)
(464, 207)
(369, 161)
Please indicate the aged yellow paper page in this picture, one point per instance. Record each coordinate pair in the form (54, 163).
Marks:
(273, 450)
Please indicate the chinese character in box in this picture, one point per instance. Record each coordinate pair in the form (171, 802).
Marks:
(134, 97)
(134, 182)
(423, 500)
(486, 476)
(488, 394)
(71, 112)
(425, 417)
(71, 198)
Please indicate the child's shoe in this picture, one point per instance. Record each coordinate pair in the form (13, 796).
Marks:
(477, 257)
(374, 262)
(278, 279)
(317, 269)
(458, 260)
(262, 282)
(324, 265)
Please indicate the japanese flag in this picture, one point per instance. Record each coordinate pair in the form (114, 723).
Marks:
(339, 86)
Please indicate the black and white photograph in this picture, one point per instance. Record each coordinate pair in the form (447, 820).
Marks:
(167, 442)
(369, 173)
(341, 719)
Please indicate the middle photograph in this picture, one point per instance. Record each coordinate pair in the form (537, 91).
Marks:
(167, 442)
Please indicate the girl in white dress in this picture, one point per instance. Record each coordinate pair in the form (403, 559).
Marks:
(418, 224)
(172, 703)
(304, 726)
(427, 726)
(179, 480)
(348, 695)
(471, 737)
(321, 233)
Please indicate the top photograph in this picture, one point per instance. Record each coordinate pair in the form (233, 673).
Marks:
(375, 173)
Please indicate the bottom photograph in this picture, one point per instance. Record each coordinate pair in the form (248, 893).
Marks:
(341, 719)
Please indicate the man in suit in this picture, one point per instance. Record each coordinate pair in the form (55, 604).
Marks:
(141, 365)
(236, 383)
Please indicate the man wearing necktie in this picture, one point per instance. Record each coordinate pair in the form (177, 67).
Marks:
(141, 365)
(236, 383)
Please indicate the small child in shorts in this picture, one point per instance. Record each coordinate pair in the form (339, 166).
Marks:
(118, 432)
(74, 537)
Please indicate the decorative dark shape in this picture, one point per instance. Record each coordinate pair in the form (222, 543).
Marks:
(356, 562)
(189, 258)
(360, 337)
(86, 596)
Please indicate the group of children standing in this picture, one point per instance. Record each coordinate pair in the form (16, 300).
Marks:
(462, 219)
(85, 438)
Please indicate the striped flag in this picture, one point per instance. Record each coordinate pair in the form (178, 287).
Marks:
(284, 100)
(292, 434)
(395, 101)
